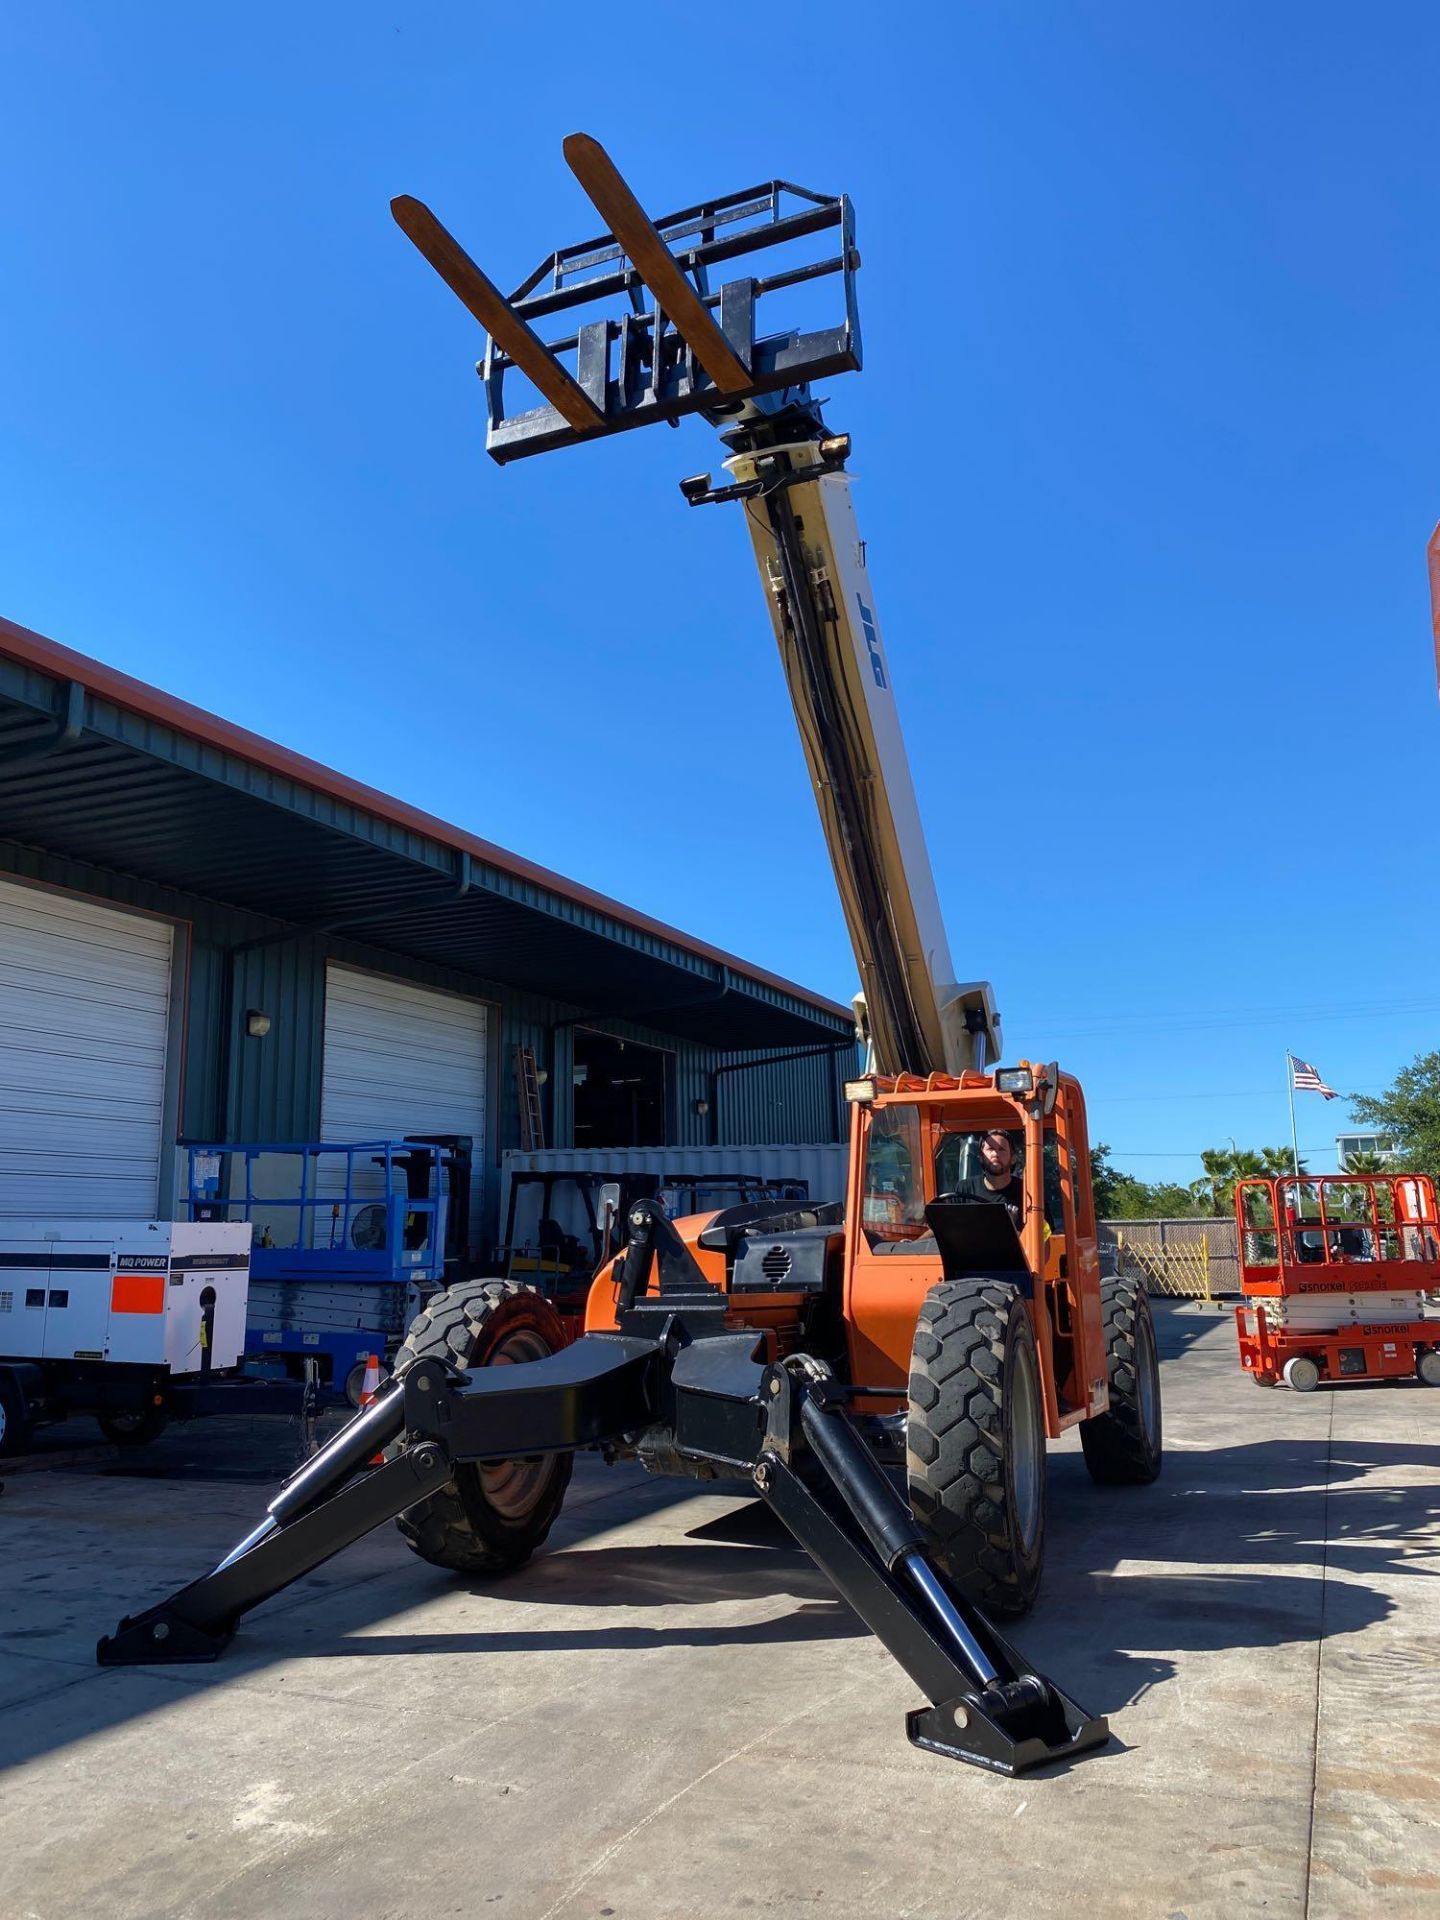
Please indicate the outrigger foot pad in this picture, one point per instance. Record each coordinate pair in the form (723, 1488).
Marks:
(1008, 1734)
(160, 1635)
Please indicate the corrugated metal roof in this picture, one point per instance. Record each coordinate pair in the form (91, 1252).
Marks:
(154, 787)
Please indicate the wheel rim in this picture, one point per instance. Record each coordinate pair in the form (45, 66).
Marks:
(1148, 1382)
(1026, 1452)
(514, 1488)
(4, 1422)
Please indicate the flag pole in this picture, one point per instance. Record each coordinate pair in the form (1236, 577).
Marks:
(1290, 1090)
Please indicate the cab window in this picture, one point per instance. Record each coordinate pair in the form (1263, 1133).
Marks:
(957, 1160)
(893, 1204)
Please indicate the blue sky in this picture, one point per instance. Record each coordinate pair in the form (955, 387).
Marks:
(1147, 448)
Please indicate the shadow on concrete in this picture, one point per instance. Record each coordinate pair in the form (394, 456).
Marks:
(1225, 1550)
(1179, 1325)
(1296, 1501)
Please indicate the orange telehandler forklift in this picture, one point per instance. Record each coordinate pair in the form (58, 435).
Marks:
(940, 1319)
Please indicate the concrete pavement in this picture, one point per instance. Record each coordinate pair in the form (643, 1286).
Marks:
(669, 1714)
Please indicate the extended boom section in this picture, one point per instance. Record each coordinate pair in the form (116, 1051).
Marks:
(790, 474)
(675, 1383)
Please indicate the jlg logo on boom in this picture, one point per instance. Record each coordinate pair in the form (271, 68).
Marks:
(872, 642)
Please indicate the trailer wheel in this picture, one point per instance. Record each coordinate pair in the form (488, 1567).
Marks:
(15, 1424)
(975, 1442)
(133, 1429)
(1125, 1447)
(486, 1519)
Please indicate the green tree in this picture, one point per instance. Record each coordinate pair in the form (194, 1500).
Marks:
(1409, 1111)
(1215, 1189)
(1279, 1163)
(1364, 1163)
(1104, 1180)
(1130, 1199)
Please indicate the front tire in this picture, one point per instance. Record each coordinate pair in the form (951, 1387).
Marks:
(1126, 1446)
(486, 1519)
(975, 1442)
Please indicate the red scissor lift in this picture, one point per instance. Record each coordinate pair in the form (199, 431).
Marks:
(1335, 1269)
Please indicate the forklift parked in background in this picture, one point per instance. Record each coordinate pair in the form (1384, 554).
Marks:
(561, 1226)
(793, 1348)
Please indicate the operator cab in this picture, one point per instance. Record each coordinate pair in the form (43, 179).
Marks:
(925, 1203)
(897, 1199)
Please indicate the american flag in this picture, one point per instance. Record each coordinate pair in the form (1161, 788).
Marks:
(1305, 1079)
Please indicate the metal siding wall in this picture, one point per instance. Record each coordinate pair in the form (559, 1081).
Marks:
(273, 1084)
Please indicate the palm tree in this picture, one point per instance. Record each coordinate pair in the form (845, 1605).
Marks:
(1224, 1168)
(1206, 1191)
(1279, 1163)
(1364, 1163)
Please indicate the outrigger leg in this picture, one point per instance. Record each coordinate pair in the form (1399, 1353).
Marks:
(674, 1367)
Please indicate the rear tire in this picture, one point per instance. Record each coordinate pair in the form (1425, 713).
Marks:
(1427, 1367)
(1126, 1446)
(135, 1429)
(975, 1442)
(486, 1519)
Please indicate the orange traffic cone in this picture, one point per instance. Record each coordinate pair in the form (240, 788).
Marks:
(369, 1387)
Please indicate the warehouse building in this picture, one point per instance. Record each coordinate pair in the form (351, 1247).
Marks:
(205, 936)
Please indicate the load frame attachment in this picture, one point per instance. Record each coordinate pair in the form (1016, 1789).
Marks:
(673, 343)
(675, 1373)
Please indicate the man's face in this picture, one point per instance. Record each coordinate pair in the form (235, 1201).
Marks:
(997, 1156)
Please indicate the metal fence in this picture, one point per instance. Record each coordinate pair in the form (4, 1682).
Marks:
(1192, 1259)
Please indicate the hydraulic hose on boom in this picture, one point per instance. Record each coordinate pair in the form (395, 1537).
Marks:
(790, 474)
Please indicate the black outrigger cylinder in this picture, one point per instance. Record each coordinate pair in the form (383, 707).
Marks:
(674, 1371)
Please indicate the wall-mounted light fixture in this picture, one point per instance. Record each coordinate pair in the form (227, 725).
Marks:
(700, 1106)
(257, 1023)
(541, 1076)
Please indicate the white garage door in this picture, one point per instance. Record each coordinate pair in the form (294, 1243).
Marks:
(84, 1027)
(402, 1059)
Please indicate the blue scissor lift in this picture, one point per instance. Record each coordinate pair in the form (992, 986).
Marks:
(348, 1240)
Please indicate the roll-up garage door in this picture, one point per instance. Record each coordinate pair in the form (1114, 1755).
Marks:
(84, 1031)
(401, 1059)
